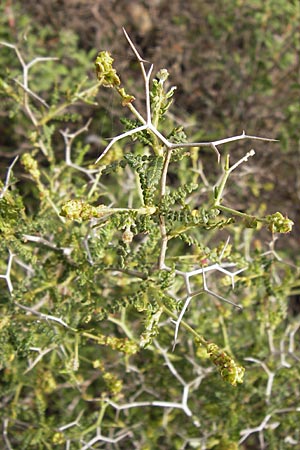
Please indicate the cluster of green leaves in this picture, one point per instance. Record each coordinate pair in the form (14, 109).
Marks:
(86, 323)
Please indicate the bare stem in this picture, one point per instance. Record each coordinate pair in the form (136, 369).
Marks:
(162, 222)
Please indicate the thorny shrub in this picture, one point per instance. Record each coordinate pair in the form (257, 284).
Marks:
(133, 295)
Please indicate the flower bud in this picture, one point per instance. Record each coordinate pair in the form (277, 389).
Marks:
(127, 236)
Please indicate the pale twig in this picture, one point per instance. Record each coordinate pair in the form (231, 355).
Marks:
(45, 316)
(283, 354)
(30, 271)
(100, 438)
(238, 137)
(264, 425)
(270, 335)
(5, 435)
(190, 293)
(271, 376)
(41, 354)
(148, 125)
(178, 321)
(121, 136)
(68, 139)
(292, 338)
(159, 403)
(75, 423)
(171, 367)
(243, 159)
(274, 253)
(85, 242)
(42, 241)
(199, 170)
(186, 387)
(25, 84)
(7, 273)
(259, 429)
(227, 171)
(162, 222)
(32, 94)
(8, 175)
(27, 91)
(224, 249)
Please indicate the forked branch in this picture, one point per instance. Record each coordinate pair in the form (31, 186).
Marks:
(147, 123)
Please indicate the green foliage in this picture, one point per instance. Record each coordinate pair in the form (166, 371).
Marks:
(98, 263)
(161, 99)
